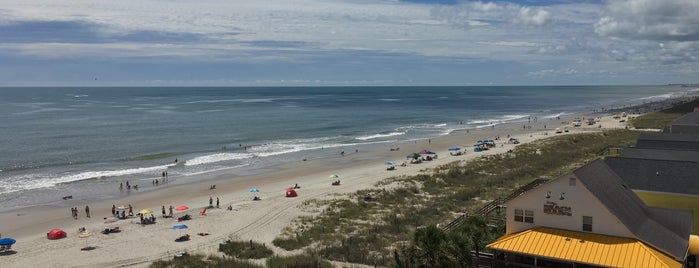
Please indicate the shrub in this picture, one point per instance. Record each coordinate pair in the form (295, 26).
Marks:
(245, 250)
(297, 261)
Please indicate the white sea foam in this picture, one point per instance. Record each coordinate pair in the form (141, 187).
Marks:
(213, 158)
(497, 120)
(257, 100)
(561, 114)
(212, 101)
(659, 97)
(37, 181)
(189, 174)
(378, 136)
(292, 146)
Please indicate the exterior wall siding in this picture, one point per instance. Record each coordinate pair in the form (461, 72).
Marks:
(564, 214)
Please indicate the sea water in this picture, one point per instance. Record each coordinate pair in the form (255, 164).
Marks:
(85, 141)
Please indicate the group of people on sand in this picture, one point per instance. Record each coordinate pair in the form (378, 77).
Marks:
(211, 202)
(74, 212)
(147, 220)
(169, 215)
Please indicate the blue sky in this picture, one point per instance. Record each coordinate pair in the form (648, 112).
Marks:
(347, 42)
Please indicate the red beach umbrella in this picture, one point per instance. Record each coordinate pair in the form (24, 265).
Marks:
(182, 208)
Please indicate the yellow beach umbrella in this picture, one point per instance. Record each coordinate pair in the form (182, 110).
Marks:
(145, 211)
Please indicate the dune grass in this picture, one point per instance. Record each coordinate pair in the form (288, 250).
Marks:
(245, 250)
(357, 231)
(662, 119)
(196, 261)
(298, 261)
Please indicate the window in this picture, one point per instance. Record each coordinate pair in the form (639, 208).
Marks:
(524, 215)
(571, 181)
(529, 216)
(587, 223)
(519, 215)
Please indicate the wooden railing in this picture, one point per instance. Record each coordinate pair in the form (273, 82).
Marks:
(493, 205)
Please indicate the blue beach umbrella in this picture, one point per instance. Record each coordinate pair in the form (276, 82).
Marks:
(254, 190)
(334, 176)
(389, 163)
(454, 149)
(180, 227)
(7, 241)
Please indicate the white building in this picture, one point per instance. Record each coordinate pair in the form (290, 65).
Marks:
(590, 218)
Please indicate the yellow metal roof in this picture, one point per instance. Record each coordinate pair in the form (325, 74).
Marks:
(582, 247)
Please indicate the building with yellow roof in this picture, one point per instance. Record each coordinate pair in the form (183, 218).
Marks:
(590, 218)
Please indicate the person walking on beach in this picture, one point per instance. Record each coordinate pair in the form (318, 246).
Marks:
(163, 211)
(87, 211)
(121, 186)
(130, 210)
(216, 202)
(211, 201)
(170, 211)
(113, 209)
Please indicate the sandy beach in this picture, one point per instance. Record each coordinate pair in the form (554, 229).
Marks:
(260, 221)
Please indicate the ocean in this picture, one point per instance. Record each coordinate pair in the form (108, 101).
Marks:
(85, 141)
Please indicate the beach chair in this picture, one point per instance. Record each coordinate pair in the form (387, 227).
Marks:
(202, 212)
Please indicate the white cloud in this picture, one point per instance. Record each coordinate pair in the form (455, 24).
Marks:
(676, 20)
(480, 14)
(510, 43)
(304, 31)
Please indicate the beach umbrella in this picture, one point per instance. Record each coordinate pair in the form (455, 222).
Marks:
(182, 208)
(110, 220)
(180, 227)
(86, 235)
(254, 190)
(454, 149)
(7, 241)
(413, 156)
(145, 211)
(334, 176)
(122, 207)
(425, 152)
(389, 163)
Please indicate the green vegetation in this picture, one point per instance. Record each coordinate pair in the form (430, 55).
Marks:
(153, 156)
(358, 231)
(245, 250)
(298, 261)
(432, 247)
(193, 261)
(662, 119)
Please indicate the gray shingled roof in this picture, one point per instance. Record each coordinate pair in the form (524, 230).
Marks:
(687, 119)
(657, 175)
(671, 237)
(660, 154)
(657, 140)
